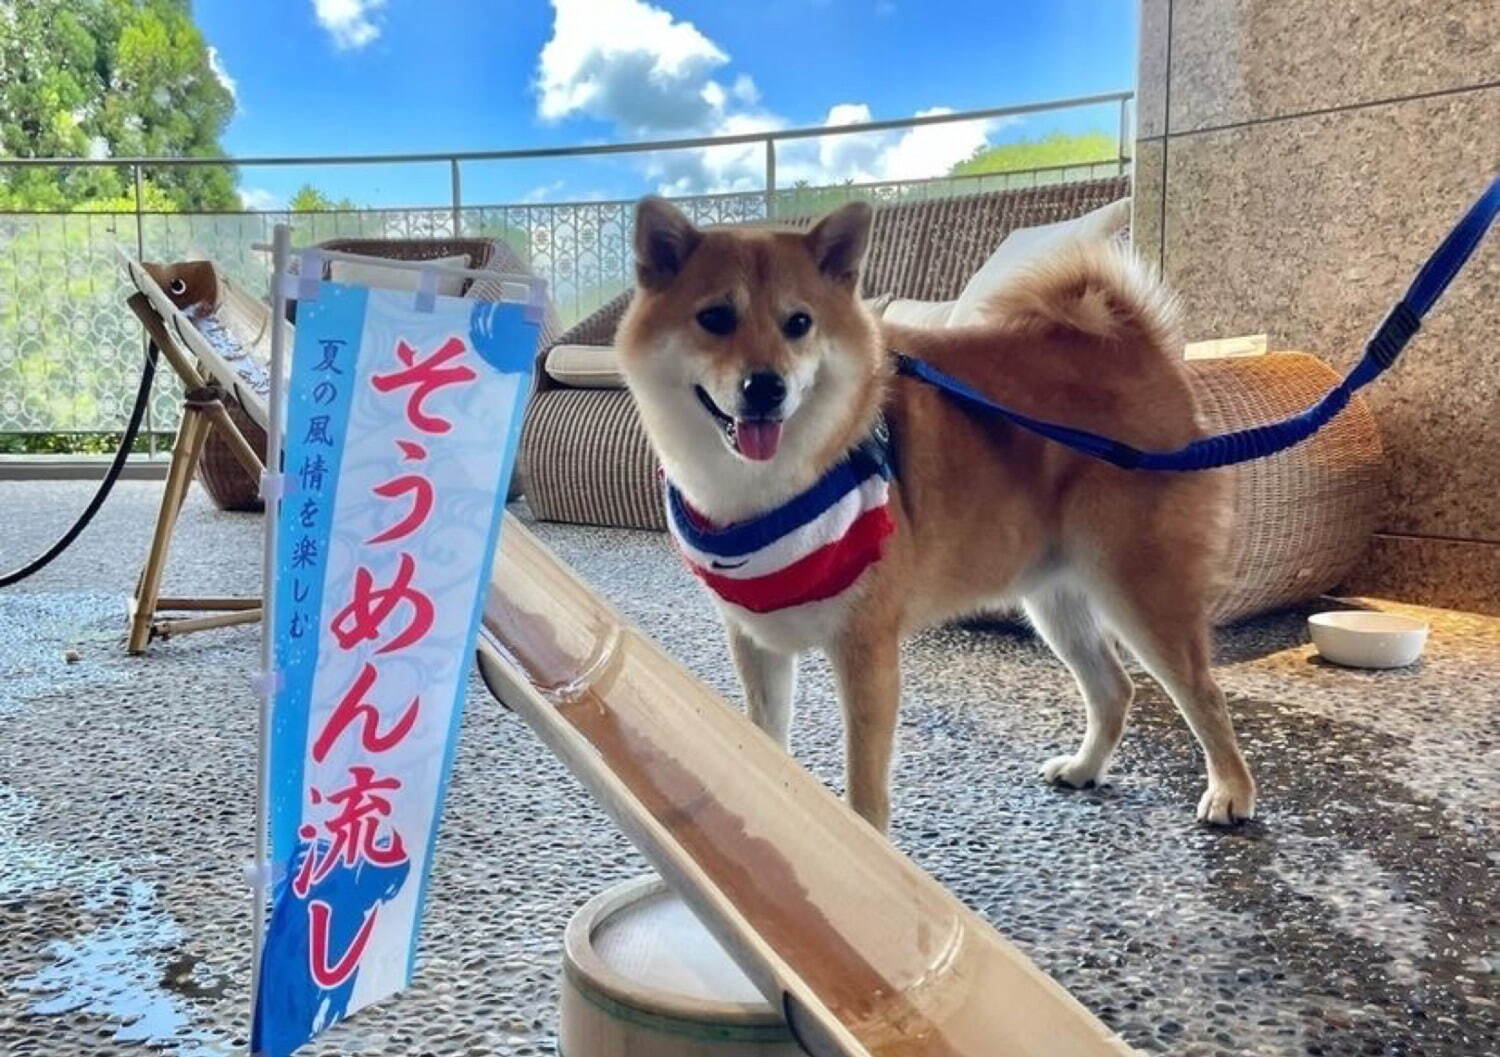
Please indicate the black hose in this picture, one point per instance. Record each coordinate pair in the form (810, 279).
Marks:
(138, 412)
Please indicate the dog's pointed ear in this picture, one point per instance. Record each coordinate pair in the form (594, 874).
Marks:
(839, 241)
(664, 239)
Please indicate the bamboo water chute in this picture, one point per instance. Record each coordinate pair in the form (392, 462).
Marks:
(866, 953)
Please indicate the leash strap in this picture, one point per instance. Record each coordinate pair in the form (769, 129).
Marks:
(1256, 442)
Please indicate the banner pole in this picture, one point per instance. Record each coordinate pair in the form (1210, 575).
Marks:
(272, 488)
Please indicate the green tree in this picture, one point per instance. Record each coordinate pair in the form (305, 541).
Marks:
(310, 199)
(1056, 148)
(108, 78)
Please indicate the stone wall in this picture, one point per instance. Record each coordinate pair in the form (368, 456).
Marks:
(1296, 161)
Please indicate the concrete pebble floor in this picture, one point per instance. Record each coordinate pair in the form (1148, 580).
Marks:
(1359, 915)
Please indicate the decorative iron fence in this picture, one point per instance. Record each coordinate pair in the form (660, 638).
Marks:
(70, 352)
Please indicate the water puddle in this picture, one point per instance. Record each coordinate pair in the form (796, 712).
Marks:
(129, 969)
(114, 972)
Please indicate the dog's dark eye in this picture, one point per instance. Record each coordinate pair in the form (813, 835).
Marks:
(796, 325)
(178, 287)
(718, 319)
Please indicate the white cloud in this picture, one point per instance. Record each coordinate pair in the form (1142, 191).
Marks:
(861, 157)
(714, 95)
(258, 199)
(744, 90)
(630, 63)
(351, 23)
(649, 74)
(216, 64)
(542, 192)
(909, 154)
(840, 158)
(734, 167)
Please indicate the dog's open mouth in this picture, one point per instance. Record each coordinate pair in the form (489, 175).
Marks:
(754, 438)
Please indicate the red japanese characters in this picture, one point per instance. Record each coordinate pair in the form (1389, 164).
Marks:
(392, 617)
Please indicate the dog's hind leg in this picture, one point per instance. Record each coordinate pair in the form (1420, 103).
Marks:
(1063, 618)
(1152, 623)
(770, 682)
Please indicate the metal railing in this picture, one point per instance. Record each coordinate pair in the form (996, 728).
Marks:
(69, 354)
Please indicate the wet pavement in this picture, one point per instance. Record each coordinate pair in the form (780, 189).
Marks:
(1359, 915)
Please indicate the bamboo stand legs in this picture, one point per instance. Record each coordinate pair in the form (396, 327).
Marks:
(179, 476)
(202, 410)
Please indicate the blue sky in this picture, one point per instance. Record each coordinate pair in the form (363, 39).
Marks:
(381, 76)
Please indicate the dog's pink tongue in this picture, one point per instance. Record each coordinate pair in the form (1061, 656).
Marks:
(757, 440)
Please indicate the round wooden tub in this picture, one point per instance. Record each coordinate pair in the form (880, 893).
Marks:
(642, 978)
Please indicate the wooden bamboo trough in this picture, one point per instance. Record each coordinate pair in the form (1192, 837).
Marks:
(864, 952)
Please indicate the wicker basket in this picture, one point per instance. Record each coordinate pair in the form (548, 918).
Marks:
(1302, 519)
(226, 481)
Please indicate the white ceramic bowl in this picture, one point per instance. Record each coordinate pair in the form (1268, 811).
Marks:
(1361, 638)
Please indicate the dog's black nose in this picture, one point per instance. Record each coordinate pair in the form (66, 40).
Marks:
(762, 393)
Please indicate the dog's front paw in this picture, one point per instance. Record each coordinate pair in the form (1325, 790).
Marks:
(1226, 802)
(1072, 772)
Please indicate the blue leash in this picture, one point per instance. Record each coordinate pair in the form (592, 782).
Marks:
(1225, 449)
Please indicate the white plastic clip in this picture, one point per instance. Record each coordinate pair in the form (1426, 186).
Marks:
(266, 683)
(272, 486)
(426, 290)
(536, 306)
(257, 874)
(309, 275)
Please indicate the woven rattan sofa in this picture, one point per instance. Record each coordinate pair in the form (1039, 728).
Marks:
(1301, 519)
(583, 451)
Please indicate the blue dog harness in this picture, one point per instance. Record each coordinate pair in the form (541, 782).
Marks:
(1256, 442)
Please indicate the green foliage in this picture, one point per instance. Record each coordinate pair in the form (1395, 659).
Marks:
(98, 79)
(804, 200)
(1056, 148)
(109, 78)
(79, 443)
(154, 199)
(309, 199)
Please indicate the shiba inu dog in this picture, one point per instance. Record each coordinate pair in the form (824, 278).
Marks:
(830, 503)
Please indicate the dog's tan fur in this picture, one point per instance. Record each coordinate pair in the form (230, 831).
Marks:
(985, 513)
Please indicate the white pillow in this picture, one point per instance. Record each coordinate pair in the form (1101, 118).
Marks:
(365, 273)
(1024, 245)
(906, 312)
(585, 366)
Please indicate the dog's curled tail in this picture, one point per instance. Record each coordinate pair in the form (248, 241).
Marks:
(1098, 289)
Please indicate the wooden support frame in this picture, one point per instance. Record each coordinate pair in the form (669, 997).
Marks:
(202, 410)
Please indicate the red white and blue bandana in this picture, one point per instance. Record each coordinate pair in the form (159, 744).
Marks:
(812, 547)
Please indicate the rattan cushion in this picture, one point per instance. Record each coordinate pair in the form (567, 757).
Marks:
(584, 366)
(588, 460)
(1302, 519)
